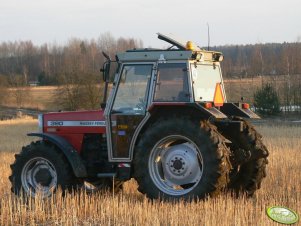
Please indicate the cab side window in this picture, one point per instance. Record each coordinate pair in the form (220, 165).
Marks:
(172, 83)
(132, 91)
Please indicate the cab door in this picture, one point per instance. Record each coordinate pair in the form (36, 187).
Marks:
(127, 108)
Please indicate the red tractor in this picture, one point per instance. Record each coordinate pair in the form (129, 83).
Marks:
(166, 123)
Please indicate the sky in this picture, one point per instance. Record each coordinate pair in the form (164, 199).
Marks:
(230, 22)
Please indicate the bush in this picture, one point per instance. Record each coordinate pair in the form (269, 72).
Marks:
(266, 100)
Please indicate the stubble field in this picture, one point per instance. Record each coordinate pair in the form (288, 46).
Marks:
(281, 187)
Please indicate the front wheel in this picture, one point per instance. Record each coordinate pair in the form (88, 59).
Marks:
(180, 159)
(39, 169)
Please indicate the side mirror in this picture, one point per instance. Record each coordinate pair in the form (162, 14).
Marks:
(105, 71)
(106, 67)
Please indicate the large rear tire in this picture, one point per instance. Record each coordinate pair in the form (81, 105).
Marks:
(247, 176)
(181, 159)
(40, 169)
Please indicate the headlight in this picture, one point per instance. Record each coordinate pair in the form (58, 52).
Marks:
(217, 57)
(40, 123)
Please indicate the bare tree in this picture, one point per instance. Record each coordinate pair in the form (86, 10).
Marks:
(19, 92)
(76, 92)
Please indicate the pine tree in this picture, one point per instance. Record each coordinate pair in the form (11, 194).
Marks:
(266, 100)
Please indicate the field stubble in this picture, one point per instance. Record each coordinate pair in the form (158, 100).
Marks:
(281, 187)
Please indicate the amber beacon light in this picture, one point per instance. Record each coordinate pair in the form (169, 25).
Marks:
(189, 45)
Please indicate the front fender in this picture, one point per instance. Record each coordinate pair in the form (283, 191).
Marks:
(69, 151)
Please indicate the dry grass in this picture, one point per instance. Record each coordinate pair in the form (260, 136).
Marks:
(13, 133)
(281, 187)
(41, 98)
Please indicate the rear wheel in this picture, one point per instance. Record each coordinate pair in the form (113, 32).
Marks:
(177, 158)
(246, 176)
(39, 169)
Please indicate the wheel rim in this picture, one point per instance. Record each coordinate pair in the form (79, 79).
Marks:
(175, 165)
(39, 176)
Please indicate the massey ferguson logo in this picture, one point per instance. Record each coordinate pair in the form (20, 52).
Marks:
(77, 123)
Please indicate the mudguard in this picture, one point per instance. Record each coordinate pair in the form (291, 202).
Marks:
(71, 154)
(231, 109)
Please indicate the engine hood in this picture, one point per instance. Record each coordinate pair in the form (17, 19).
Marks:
(79, 122)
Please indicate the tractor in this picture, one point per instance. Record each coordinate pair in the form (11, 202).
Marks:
(166, 123)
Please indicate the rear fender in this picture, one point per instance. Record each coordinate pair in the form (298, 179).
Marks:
(193, 108)
(231, 109)
(167, 110)
(212, 112)
(69, 151)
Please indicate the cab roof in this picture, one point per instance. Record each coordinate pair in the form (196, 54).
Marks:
(181, 53)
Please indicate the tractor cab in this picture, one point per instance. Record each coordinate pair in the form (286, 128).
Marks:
(148, 81)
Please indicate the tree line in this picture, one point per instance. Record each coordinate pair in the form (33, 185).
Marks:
(74, 67)
(277, 65)
(46, 63)
(245, 61)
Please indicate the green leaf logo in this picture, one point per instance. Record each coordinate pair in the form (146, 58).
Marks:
(282, 215)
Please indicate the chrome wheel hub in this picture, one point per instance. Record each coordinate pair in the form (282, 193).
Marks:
(39, 176)
(175, 165)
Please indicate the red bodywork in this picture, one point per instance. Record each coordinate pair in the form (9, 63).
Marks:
(73, 125)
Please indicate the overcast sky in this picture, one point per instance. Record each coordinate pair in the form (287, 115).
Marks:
(231, 22)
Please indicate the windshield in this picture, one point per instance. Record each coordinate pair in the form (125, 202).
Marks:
(205, 77)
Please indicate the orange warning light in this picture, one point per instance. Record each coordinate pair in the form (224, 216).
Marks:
(245, 106)
(218, 96)
(208, 105)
